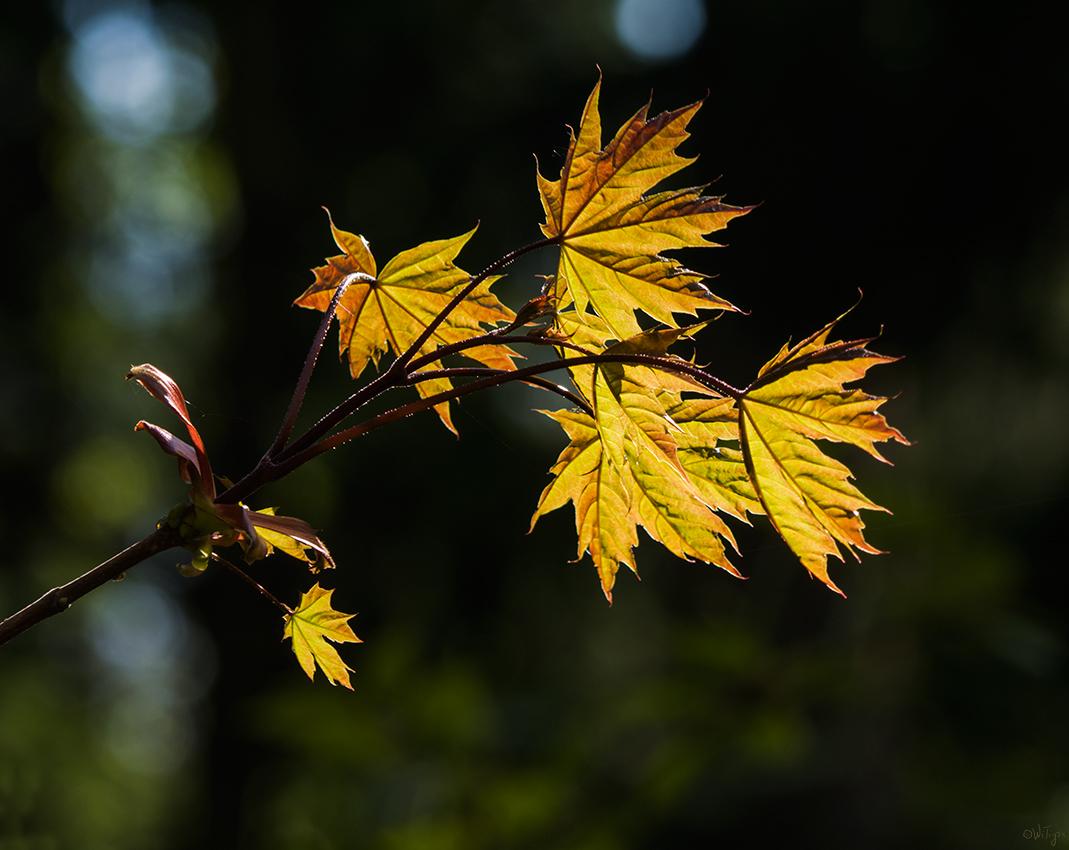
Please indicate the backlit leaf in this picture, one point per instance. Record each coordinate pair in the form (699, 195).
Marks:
(309, 628)
(194, 466)
(622, 469)
(293, 536)
(706, 430)
(387, 311)
(611, 232)
(799, 397)
(586, 476)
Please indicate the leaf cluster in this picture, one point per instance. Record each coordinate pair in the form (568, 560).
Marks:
(661, 444)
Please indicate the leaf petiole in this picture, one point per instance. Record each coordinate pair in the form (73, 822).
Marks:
(299, 391)
(282, 606)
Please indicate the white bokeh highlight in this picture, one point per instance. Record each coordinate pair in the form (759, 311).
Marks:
(136, 82)
(659, 30)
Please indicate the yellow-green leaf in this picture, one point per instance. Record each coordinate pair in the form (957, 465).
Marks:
(717, 470)
(310, 626)
(293, 536)
(625, 460)
(585, 475)
(799, 397)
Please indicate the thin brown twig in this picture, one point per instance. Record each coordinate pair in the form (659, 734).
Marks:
(59, 599)
(299, 391)
(282, 606)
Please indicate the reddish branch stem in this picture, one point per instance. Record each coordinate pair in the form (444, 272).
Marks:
(304, 449)
(309, 364)
(278, 603)
(494, 377)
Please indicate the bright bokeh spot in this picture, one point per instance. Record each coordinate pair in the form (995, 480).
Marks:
(659, 30)
(136, 83)
(155, 196)
(153, 663)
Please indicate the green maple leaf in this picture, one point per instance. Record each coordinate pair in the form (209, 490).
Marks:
(611, 233)
(310, 626)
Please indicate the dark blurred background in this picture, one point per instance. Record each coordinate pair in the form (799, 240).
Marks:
(163, 168)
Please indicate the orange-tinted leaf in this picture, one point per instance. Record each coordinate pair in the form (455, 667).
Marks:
(388, 310)
(310, 626)
(611, 232)
(799, 397)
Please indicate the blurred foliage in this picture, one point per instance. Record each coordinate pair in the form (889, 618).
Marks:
(907, 147)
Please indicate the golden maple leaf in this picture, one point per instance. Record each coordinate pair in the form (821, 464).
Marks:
(388, 310)
(799, 397)
(648, 457)
(622, 469)
(611, 233)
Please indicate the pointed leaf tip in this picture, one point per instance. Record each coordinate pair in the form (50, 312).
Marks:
(612, 227)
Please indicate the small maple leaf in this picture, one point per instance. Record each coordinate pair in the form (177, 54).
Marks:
(610, 232)
(388, 310)
(799, 397)
(310, 626)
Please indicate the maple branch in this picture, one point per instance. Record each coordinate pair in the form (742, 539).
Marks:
(496, 378)
(309, 445)
(299, 391)
(802, 491)
(59, 599)
(489, 338)
(664, 363)
(546, 384)
(485, 371)
(385, 381)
